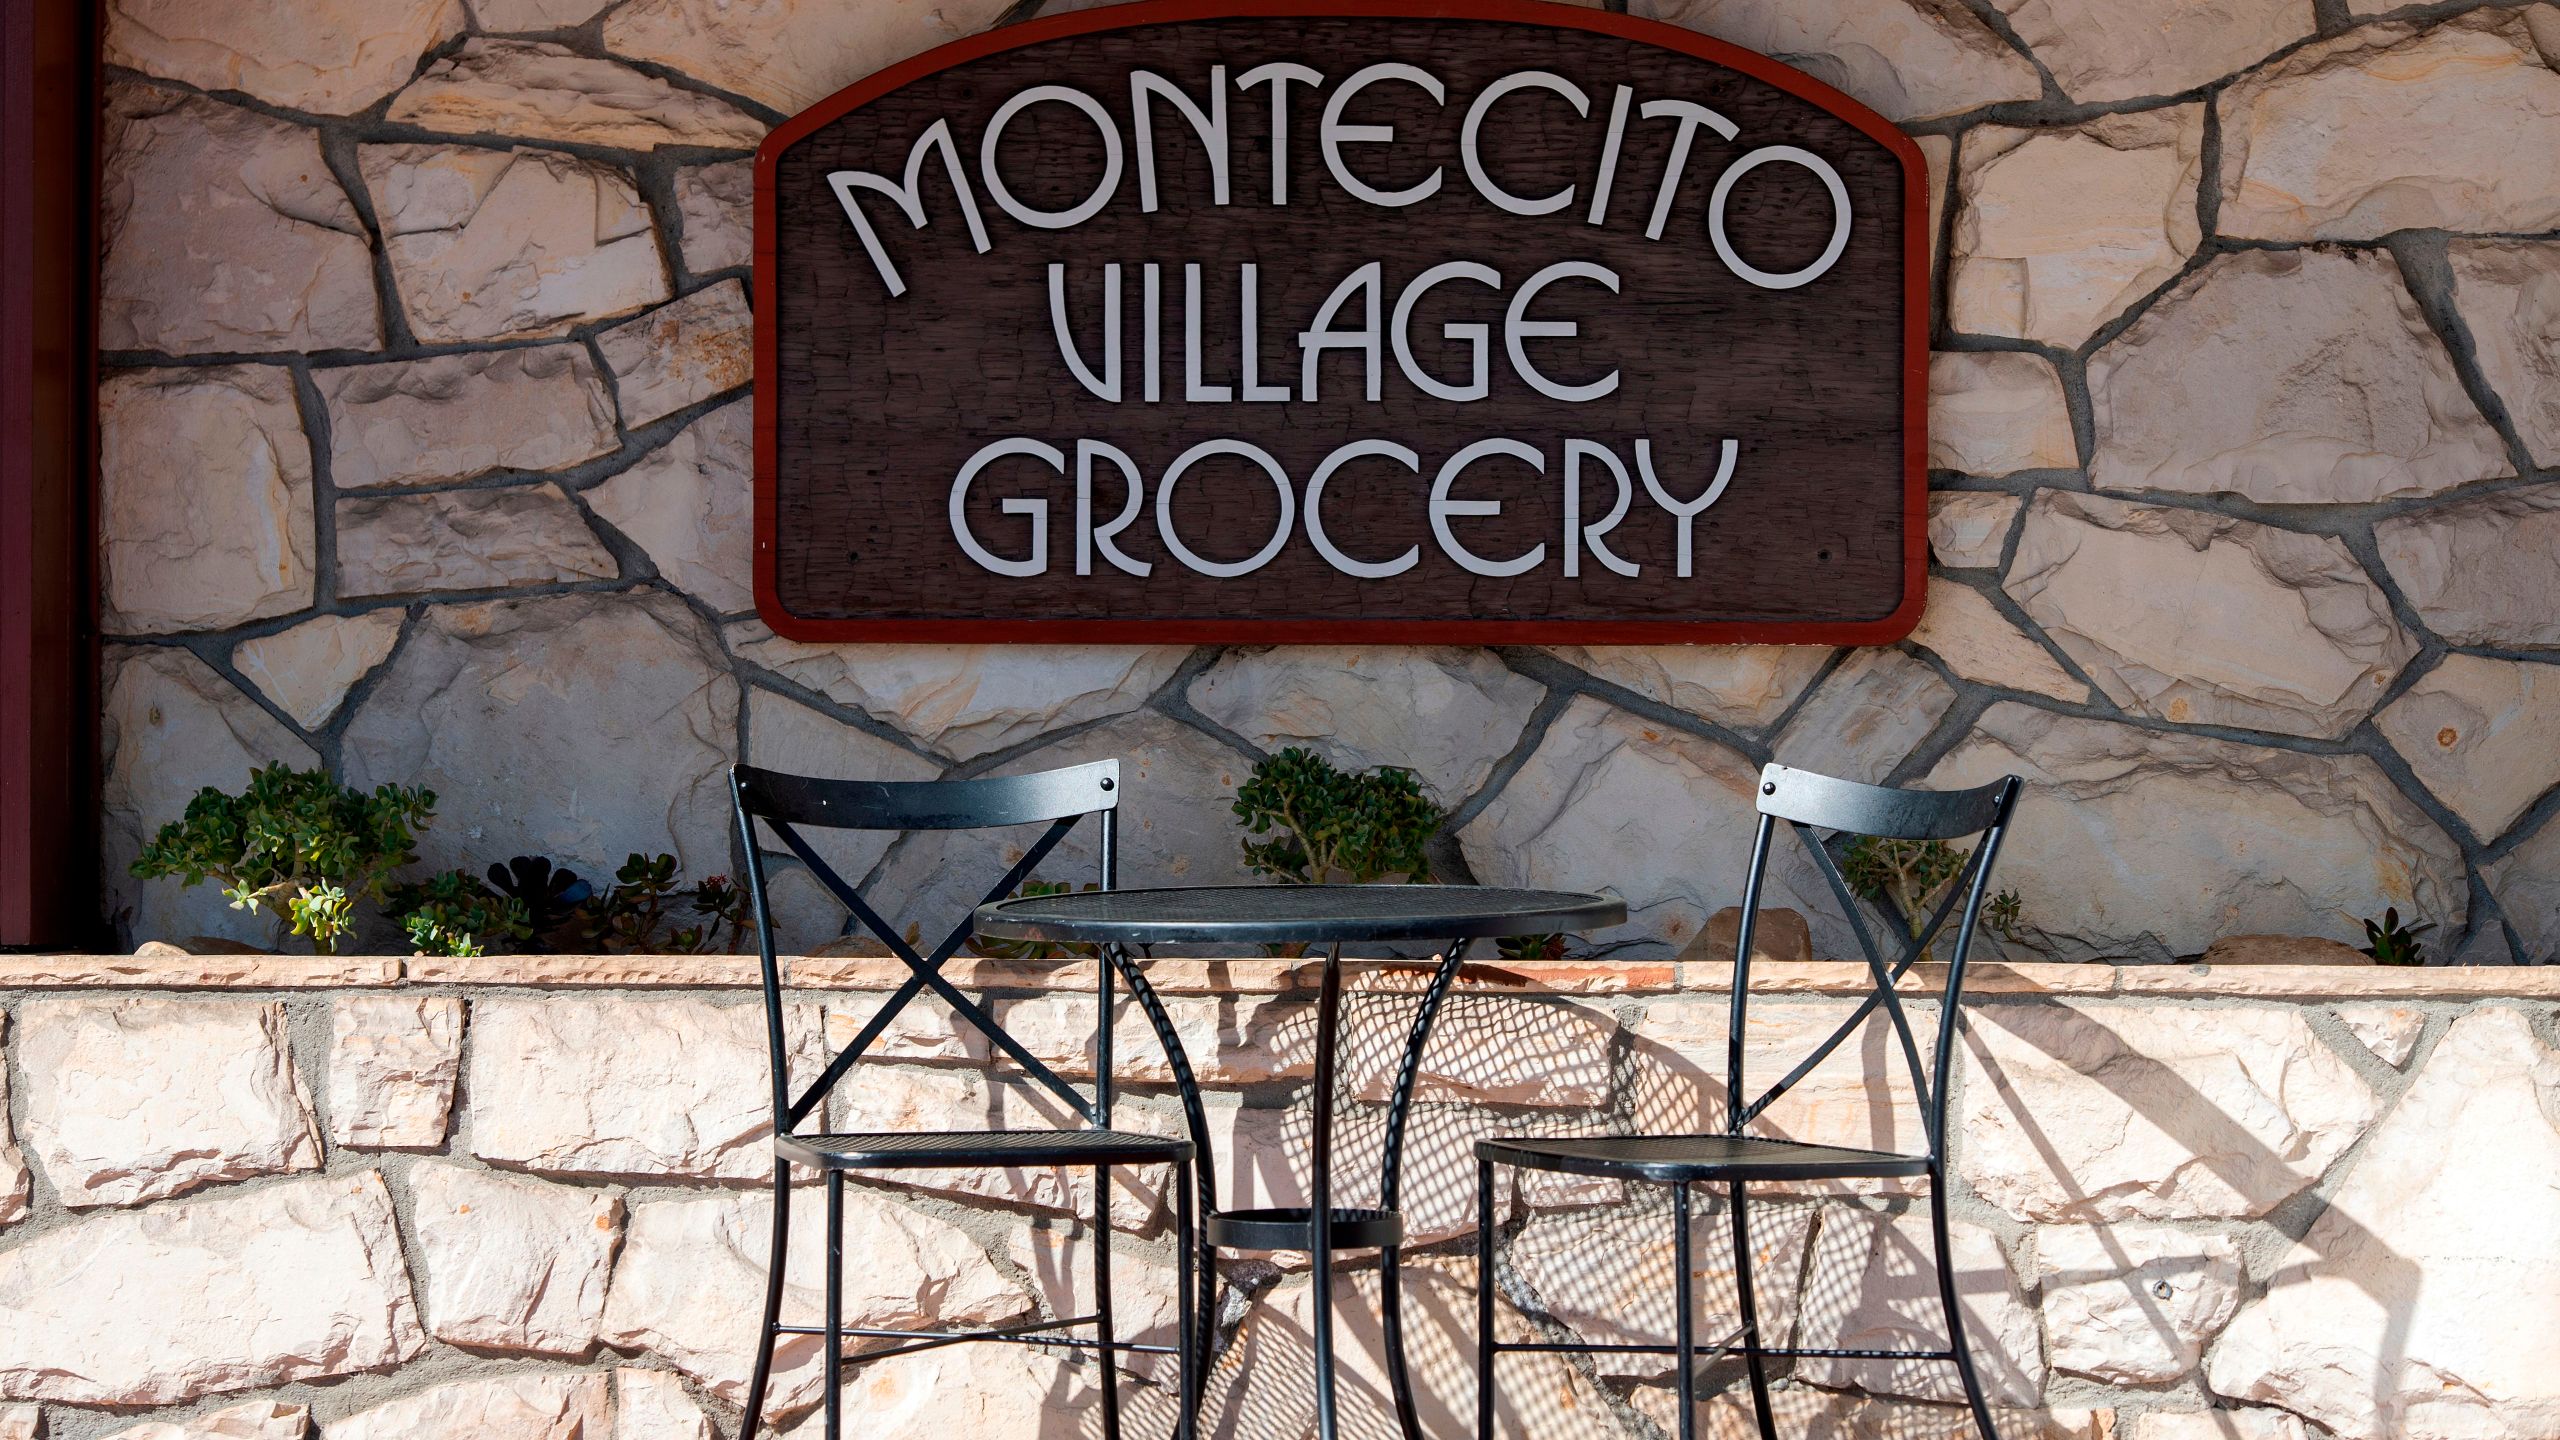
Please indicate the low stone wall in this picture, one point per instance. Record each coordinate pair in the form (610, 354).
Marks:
(242, 1197)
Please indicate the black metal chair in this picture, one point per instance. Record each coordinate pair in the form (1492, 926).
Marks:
(1810, 803)
(1057, 799)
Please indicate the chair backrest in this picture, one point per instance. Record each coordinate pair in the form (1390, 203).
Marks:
(1818, 805)
(788, 804)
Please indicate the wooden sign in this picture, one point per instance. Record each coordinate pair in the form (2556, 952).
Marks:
(1340, 321)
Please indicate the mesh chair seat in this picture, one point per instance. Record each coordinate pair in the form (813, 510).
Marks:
(1676, 1158)
(996, 1148)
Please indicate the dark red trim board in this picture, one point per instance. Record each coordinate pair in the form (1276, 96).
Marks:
(1341, 321)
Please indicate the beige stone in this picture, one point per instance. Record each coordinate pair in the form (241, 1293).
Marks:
(1938, 156)
(1611, 801)
(1449, 715)
(2508, 293)
(1746, 687)
(2088, 1113)
(393, 1060)
(335, 58)
(1607, 1273)
(510, 244)
(1777, 937)
(2526, 881)
(511, 1263)
(2134, 1304)
(466, 540)
(788, 54)
(2389, 1031)
(2197, 618)
(536, 90)
(169, 727)
(13, 1163)
(1144, 1302)
(1910, 59)
(1963, 628)
(20, 1422)
(458, 417)
(969, 700)
(145, 1307)
(1997, 412)
(2482, 735)
(1875, 1287)
(529, 718)
(131, 1099)
(2305, 376)
(503, 17)
(2061, 230)
(2220, 1425)
(2374, 1324)
(257, 1420)
(686, 504)
(591, 1085)
(213, 532)
(2377, 129)
(683, 353)
(266, 253)
(716, 207)
(2480, 572)
(1827, 1415)
(2101, 52)
(690, 1284)
(527, 1406)
(308, 670)
(1969, 529)
(2282, 950)
(1003, 1390)
(1859, 1096)
(910, 1098)
(2268, 841)
(652, 1405)
(1868, 717)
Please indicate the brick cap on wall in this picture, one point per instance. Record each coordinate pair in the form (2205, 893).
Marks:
(1178, 976)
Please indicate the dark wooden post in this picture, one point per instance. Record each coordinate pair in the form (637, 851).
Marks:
(48, 710)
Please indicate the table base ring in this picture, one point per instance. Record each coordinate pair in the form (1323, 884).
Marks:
(1285, 1228)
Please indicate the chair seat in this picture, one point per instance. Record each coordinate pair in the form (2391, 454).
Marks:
(1003, 1149)
(1673, 1158)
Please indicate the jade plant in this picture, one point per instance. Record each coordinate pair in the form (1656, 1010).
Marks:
(645, 898)
(1328, 825)
(2391, 943)
(1909, 878)
(295, 843)
(452, 913)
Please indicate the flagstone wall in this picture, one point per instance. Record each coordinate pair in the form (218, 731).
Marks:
(425, 457)
(244, 1197)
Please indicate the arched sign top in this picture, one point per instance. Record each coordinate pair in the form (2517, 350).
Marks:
(1340, 321)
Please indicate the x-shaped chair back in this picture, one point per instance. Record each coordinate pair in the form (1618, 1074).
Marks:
(787, 804)
(1812, 804)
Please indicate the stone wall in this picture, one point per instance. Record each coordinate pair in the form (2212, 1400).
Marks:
(425, 457)
(244, 1197)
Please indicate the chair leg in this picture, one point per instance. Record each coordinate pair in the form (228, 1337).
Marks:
(1750, 1305)
(1191, 1360)
(835, 1305)
(772, 1299)
(1484, 1300)
(1104, 1335)
(1684, 1324)
(1956, 1347)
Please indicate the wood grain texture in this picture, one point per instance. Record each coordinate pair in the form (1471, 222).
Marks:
(868, 405)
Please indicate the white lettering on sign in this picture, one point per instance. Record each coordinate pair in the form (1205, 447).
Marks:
(1358, 322)
(1440, 506)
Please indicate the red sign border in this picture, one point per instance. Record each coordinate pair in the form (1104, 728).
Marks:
(1917, 245)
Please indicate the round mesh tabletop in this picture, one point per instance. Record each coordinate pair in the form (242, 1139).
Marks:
(1225, 914)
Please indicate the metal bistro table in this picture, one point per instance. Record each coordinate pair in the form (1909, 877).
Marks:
(1330, 916)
